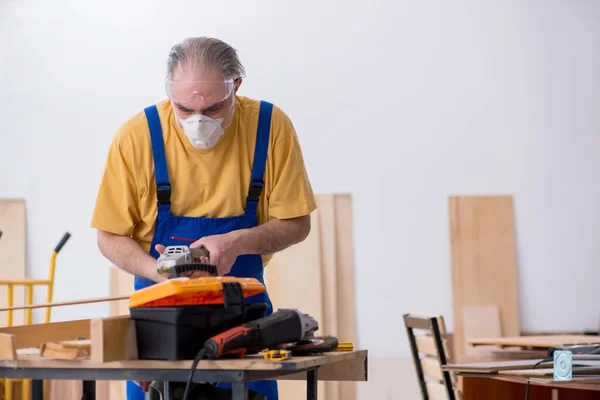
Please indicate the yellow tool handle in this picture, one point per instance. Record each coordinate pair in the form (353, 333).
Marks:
(277, 355)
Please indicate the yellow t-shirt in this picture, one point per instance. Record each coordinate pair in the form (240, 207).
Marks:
(204, 183)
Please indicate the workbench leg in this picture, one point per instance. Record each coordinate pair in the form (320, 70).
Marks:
(37, 389)
(239, 390)
(89, 390)
(311, 384)
(166, 390)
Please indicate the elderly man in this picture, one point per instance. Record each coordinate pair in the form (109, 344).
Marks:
(205, 167)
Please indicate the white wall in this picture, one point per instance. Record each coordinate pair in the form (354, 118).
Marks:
(399, 103)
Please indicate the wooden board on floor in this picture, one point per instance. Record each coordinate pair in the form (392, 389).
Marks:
(483, 258)
(13, 254)
(324, 263)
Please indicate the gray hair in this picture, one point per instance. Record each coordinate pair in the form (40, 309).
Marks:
(210, 52)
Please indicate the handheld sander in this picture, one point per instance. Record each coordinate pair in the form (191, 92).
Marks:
(182, 261)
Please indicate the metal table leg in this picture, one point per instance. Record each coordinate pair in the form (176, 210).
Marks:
(37, 389)
(239, 390)
(167, 390)
(311, 384)
(89, 390)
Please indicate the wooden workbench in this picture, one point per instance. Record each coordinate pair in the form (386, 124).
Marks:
(114, 358)
(337, 366)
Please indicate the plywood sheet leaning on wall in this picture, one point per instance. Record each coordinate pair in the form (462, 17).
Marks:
(484, 266)
(317, 277)
(13, 255)
(121, 283)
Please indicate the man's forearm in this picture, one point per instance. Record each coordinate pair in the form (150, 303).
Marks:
(272, 236)
(127, 254)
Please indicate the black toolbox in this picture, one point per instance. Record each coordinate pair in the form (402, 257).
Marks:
(178, 332)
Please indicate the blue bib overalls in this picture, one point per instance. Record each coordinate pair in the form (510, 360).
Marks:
(181, 230)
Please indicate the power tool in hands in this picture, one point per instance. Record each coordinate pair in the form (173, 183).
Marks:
(182, 261)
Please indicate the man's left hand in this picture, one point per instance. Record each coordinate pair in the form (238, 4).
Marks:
(222, 249)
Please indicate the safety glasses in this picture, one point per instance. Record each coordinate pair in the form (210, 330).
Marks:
(209, 92)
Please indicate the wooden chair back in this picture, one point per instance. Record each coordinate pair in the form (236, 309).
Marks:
(429, 346)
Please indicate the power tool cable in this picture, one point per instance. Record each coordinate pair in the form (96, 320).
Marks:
(197, 359)
(548, 359)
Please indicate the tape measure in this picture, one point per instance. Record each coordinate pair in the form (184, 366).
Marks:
(277, 355)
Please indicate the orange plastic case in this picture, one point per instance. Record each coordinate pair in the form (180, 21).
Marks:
(186, 291)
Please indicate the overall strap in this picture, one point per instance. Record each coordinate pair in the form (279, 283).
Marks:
(163, 187)
(260, 156)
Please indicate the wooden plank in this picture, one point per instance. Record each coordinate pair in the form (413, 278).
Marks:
(13, 255)
(8, 351)
(67, 350)
(287, 276)
(121, 284)
(481, 322)
(330, 306)
(511, 353)
(591, 370)
(34, 335)
(542, 341)
(483, 253)
(346, 283)
(324, 261)
(494, 366)
(113, 339)
(67, 303)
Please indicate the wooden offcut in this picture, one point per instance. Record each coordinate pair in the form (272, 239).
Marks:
(66, 350)
(113, 339)
(8, 349)
(121, 284)
(483, 259)
(13, 255)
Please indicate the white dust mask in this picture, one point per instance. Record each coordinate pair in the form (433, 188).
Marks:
(202, 131)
